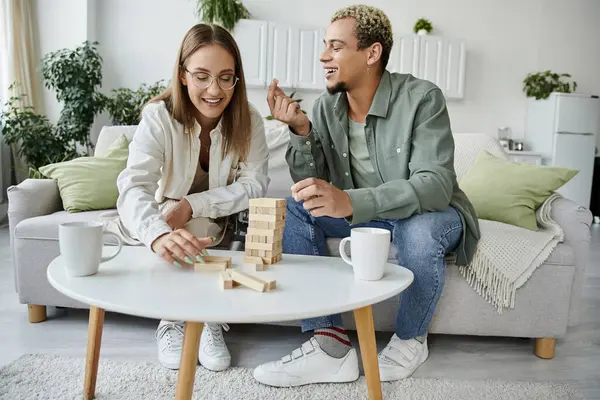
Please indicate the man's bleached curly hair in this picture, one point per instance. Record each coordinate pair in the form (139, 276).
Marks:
(372, 26)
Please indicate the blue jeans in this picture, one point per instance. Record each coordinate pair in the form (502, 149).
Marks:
(421, 243)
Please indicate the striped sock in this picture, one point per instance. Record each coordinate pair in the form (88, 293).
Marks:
(334, 341)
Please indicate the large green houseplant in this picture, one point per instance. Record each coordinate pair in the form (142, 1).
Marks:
(223, 12)
(75, 76)
(36, 140)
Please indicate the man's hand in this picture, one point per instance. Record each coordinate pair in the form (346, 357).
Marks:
(322, 199)
(179, 215)
(287, 110)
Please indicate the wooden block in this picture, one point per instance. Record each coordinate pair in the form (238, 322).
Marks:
(264, 246)
(225, 279)
(271, 285)
(270, 225)
(210, 266)
(218, 259)
(252, 260)
(260, 267)
(265, 233)
(267, 202)
(271, 254)
(267, 210)
(268, 218)
(272, 260)
(248, 280)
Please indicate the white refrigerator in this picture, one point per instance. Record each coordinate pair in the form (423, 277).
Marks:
(563, 129)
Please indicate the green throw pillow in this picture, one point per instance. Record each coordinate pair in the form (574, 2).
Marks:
(90, 183)
(511, 192)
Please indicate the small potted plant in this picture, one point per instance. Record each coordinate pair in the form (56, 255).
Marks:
(541, 84)
(423, 27)
(223, 12)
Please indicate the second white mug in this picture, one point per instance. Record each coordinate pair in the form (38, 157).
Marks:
(369, 248)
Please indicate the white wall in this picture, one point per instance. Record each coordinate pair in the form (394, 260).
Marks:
(61, 24)
(505, 41)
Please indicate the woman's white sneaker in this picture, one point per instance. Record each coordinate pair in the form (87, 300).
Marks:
(401, 358)
(308, 364)
(169, 339)
(213, 353)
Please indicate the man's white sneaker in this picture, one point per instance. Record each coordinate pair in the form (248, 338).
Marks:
(401, 358)
(213, 353)
(308, 364)
(169, 339)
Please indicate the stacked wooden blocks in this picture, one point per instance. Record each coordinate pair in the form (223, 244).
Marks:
(264, 238)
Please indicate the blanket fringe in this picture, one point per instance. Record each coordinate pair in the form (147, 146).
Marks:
(489, 281)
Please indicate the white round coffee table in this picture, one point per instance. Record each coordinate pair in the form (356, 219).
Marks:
(138, 282)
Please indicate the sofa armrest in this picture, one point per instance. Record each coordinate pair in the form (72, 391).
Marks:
(575, 221)
(31, 198)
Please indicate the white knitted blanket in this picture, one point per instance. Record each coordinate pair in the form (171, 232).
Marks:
(507, 256)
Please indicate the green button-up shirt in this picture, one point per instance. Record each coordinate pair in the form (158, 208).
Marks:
(410, 144)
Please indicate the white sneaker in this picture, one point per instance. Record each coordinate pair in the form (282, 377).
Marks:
(308, 364)
(401, 358)
(213, 353)
(169, 338)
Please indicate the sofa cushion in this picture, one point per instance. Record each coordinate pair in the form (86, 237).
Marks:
(45, 227)
(511, 192)
(90, 183)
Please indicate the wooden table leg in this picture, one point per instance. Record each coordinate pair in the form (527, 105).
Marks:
(189, 360)
(368, 350)
(93, 352)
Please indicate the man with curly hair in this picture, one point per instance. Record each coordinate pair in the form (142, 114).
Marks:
(379, 152)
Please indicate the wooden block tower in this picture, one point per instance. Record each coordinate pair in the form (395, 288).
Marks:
(265, 230)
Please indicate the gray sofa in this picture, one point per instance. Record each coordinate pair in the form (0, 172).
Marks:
(545, 306)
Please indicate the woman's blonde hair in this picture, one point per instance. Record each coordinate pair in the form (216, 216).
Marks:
(236, 119)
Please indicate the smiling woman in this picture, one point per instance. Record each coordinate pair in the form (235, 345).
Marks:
(197, 157)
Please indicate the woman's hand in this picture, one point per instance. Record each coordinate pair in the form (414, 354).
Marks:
(180, 246)
(179, 215)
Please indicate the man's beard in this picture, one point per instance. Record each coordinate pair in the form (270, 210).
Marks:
(337, 88)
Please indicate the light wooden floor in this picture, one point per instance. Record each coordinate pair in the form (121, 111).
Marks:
(460, 357)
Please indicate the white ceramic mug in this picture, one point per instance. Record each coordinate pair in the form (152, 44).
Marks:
(369, 248)
(81, 245)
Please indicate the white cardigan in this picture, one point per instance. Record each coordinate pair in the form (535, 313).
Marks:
(163, 161)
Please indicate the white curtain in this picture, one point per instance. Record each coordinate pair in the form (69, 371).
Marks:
(18, 45)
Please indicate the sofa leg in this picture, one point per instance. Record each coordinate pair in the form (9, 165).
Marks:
(544, 347)
(36, 313)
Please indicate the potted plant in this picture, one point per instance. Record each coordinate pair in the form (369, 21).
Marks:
(36, 140)
(423, 27)
(125, 105)
(75, 75)
(541, 84)
(223, 12)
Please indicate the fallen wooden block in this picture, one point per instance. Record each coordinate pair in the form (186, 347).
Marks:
(257, 262)
(271, 285)
(225, 280)
(218, 260)
(248, 280)
(214, 266)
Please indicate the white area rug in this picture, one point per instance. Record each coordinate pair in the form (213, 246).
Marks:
(38, 376)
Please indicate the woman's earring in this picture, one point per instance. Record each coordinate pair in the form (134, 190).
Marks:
(368, 69)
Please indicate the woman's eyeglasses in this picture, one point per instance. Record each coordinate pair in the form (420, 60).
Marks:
(203, 80)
